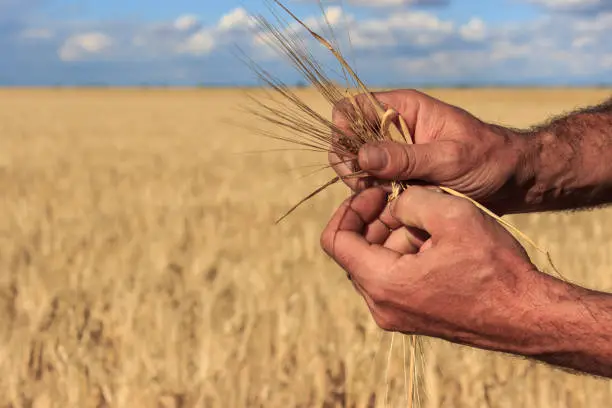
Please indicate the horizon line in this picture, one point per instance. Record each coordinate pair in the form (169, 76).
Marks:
(300, 86)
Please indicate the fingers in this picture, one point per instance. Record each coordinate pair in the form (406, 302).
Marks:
(348, 111)
(337, 159)
(345, 115)
(403, 240)
(434, 162)
(343, 238)
(355, 214)
(407, 102)
(399, 237)
(395, 161)
(342, 167)
(377, 232)
(343, 164)
(406, 240)
(431, 211)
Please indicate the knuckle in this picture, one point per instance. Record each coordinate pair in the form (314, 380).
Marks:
(454, 154)
(406, 93)
(460, 211)
(402, 160)
(407, 161)
(416, 96)
(412, 93)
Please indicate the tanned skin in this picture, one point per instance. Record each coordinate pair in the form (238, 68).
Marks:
(568, 161)
(435, 265)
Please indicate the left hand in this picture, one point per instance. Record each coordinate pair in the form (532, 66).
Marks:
(494, 165)
(435, 265)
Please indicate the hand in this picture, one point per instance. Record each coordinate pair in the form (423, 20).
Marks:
(489, 163)
(435, 265)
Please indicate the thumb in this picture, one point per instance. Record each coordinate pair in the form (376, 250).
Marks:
(435, 162)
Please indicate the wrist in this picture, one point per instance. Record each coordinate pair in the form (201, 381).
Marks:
(545, 171)
(520, 157)
(564, 171)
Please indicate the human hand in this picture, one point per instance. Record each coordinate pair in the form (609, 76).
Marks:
(432, 264)
(454, 149)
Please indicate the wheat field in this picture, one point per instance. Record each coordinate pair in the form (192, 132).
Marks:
(140, 266)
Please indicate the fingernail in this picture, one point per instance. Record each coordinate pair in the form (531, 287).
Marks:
(373, 158)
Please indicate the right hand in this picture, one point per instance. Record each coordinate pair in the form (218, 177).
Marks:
(452, 148)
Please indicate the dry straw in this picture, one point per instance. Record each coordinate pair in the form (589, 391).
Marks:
(312, 131)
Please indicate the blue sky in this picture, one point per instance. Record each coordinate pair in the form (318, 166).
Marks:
(394, 42)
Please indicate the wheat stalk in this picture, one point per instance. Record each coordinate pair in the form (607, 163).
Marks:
(314, 132)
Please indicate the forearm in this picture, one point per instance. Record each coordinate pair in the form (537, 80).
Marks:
(568, 162)
(547, 320)
(572, 329)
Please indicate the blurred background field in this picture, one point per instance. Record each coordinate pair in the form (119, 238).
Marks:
(140, 267)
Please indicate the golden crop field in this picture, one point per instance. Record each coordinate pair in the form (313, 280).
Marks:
(140, 266)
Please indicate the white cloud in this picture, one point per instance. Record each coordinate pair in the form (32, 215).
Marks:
(186, 22)
(236, 19)
(200, 43)
(82, 46)
(416, 21)
(407, 28)
(334, 15)
(474, 30)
